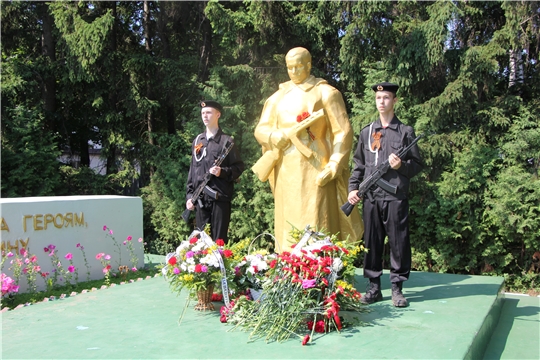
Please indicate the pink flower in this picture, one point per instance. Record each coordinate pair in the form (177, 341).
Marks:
(307, 284)
(104, 227)
(129, 238)
(204, 268)
(107, 257)
(110, 232)
(71, 268)
(176, 271)
(124, 243)
(37, 268)
(46, 249)
(25, 270)
(78, 244)
(99, 256)
(33, 258)
(52, 247)
(69, 256)
(9, 254)
(134, 269)
(22, 252)
(27, 261)
(140, 239)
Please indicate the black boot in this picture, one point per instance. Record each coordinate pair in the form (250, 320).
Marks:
(397, 297)
(373, 293)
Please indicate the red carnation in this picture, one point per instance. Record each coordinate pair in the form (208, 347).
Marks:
(198, 268)
(305, 340)
(193, 240)
(220, 242)
(172, 261)
(273, 264)
(227, 253)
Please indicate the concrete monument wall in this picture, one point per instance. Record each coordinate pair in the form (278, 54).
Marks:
(76, 225)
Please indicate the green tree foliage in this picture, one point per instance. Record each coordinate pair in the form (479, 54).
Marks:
(29, 165)
(128, 76)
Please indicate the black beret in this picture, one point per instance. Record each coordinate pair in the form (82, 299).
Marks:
(212, 104)
(385, 86)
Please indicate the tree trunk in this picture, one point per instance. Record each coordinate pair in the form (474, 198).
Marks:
(163, 20)
(206, 47)
(148, 48)
(48, 50)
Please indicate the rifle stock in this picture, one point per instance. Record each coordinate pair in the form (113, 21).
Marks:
(376, 178)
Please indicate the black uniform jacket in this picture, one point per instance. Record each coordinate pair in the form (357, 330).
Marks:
(395, 137)
(231, 167)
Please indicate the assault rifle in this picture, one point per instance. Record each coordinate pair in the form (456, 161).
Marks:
(203, 187)
(375, 178)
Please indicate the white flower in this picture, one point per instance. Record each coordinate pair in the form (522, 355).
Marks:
(337, 264)
(191, 268)
(198, 246)
(210, 260)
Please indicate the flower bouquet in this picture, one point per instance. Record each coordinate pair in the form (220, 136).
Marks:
(303, 290)
(250, 272)
(197, 264)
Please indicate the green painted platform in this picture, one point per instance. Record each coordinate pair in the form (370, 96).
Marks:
(449, 317)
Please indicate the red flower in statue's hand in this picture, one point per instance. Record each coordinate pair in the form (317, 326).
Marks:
(220, 242)
(193, 240)
(172, 260)
(302, 116)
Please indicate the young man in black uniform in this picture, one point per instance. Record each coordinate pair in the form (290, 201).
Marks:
(386, 214)
(205, 150)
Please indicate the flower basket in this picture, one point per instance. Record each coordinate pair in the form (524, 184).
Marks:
(204, 299)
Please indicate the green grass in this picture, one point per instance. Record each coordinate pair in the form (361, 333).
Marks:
(13, 300)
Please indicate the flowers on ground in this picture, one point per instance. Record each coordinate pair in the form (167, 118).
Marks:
(302, 290)
(250, 273)
(196, 263)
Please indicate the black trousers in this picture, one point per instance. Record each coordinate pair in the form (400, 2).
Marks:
(218, 215)
(382, 218)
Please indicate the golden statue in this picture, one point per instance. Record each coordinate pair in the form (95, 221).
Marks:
(306, 140)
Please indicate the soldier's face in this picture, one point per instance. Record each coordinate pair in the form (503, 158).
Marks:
(298, 68)
(385, 101)
(210, 116)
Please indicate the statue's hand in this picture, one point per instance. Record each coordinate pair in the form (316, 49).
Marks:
(279, 139)
(328, 173)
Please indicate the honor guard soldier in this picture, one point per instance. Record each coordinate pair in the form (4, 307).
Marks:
(384, 213)
(214, 204)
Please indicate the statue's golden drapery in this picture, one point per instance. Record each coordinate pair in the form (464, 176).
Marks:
(308, 188)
